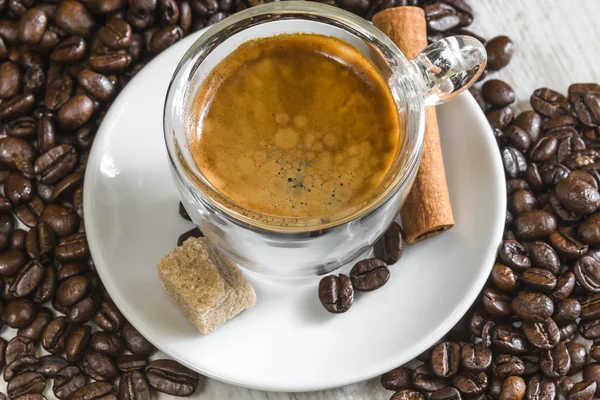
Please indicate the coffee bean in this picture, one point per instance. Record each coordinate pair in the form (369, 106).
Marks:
(59, 90)
(589, 230)
(77, 342)
(19, 313)
(27, 280)
(499, 51)
(96, 391)
(336, 293)
(107, 343)
(25, 383)
(369, 274)
(517, 138)
(54, 337)
(539, 279)
(135, 342)
(74, 18)
(564, 287)
(505, 365)
(170, 377)
(563, 386)
(549, 103)
(507, 339)
(50, 365)
(20, 365)
(84, 310)
(503, 278)
(577, 196)
(540, 389)
(531, 122)
(11, 261)
(522, 201)
(566, 244)
(587, 271)
(568, 332)
(34, 330)
(116, 34)
(578, 356)
(445, 359)
(568, 310)
(476, 357)
(497, 93)
(18, 347)
(513, 254)
(15, 153)
(407, 395)
(555, 362)
(500, 118)
(33, 25)
(448, 393)
(72, 290)
(133, 386)
(513, 388)
(72, 248)
(583, 390)
(487, 333)
(17, 239)
(535, 224)
(68, 381)
(390, 246)
(110, 63)
(131, 362)
(470, 383)
(76, 112)
(47, 287)
(24, 127)
(531, 306)
(108, 317)
(10, 79)
(55, 164)
(496, 303)
(69, 50)
(397, 379)
(99, 366)
(40, 241)
(542, 335)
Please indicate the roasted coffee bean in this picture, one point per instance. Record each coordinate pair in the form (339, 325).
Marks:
(408, 394)
(17, 106)
(583, 390)
(11, 261)
(589, 230)
(67, 381)
(46, 135)
(17, 239)
(486, 333)
(563, 386)
(397, 379)
(499, 51)
(35, 329)
(591, 371)
(513, 254)
(500, 118)
(549, 103)
(71, 269)
(99, 366)
(84, 310)
(505, 365)
(133, 386)
(96, 84)
(7, 224)
(116, 34)
(445, 359)
(10, 79)
(47, 287)
(40, 241)
(497, 93)
(531, 122)
(72, 290)
(555, 362)
(531, 306)
(50, 365)
(587, 271)
(517, 138)
(55, 164)
(72, 17)
(54, 337)
(590, 307)
(544, 150)
(59, 90)
(542, 335)
(24, 127)
(507, 339)
(20, 365)
(135, 342)
(25, 383)
(109, 318)
(535, 224)
(18, 347)
(170, 377)
(496, 303)
(63, 220)
(477, 321)
(522, 201)
(568, 310)
(441, 17)
(390, 246)
(96, 391)
(72, 248)
(448, 393)
(578, 356)
(19, 313)
(553, 173)
(27, 280)
(2, 353)
(539, 279)
(110, 63)
(476, 357)
(77, 342)
(107, 343)
(531, 364)
(15, 153)
(566, 244)
(69, 50)
(568, 332)
(336, 293)
(564, 287)
(402, 377)
(540, 389)
(513, 388)
(503, 278)
(76, 112)
(470, 383)
(369, 274)
(590, 329)
(577, 196)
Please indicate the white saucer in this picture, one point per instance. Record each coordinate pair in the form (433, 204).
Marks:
(287, 341)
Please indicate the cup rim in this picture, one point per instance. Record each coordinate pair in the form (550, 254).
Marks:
(348, 20)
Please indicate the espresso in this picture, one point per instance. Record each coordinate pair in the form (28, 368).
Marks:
(295, 125)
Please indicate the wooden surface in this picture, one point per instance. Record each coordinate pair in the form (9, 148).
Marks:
(557, 43)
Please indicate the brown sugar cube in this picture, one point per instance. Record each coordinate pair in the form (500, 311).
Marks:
(208, 287)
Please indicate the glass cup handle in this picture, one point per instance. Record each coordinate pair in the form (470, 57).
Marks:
(449, 66)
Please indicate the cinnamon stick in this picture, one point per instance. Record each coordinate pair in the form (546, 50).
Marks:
(427, 210)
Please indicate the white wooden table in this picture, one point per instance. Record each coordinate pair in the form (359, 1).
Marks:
(557, 43)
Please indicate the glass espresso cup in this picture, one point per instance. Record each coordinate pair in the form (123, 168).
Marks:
(301, 247)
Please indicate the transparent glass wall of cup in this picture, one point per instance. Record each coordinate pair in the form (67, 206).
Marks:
(296, 247)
